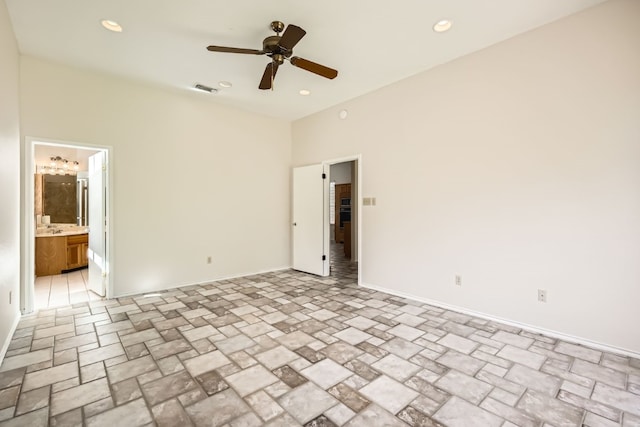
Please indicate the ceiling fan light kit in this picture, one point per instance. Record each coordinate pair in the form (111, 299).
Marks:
(280, 48)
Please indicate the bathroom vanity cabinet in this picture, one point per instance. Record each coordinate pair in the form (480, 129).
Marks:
(55, 254)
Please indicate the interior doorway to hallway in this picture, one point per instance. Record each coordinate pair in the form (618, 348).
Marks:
(341, 198)
(313, 209)
(344, 214)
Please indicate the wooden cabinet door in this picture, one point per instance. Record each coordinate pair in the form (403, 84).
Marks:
(77, 251)
(342, 191)
(51, 255)
(84, 248)
(73, 256)
(339, 232)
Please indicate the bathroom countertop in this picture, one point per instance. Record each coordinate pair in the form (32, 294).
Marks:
(49, 232)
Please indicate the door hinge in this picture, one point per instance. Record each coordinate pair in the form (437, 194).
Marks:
(324, 176)
(324, 257)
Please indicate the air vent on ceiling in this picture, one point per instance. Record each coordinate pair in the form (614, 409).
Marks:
(206, 88)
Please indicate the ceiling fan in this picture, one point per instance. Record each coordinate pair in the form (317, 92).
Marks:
(279, 48)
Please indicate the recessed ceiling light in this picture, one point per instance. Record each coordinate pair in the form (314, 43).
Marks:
(442, 26)
(304, 92)
(111, 25)
(206, 88)
(225, 84)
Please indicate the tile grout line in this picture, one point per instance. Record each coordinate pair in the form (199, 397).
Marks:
(330, 299)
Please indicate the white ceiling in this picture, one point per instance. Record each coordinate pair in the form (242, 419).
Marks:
(372, 43)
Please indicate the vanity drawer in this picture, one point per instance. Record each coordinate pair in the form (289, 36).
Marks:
(77, 239)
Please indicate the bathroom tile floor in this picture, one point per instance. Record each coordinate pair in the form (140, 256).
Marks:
(291, 349)
(62, 289)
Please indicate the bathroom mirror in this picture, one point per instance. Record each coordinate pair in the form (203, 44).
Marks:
(59, 198)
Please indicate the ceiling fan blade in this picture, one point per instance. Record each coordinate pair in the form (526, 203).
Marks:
(291, 36)
(234, 50)
(318, 69)
(268, 76)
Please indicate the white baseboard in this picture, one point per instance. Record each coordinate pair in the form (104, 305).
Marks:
(7, 341)
(204, 282)
(530, 328)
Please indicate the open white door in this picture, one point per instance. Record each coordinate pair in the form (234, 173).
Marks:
(97, 224)
(309, 253)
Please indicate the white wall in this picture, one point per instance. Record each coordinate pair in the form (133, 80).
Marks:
(515, 167)
(191, 178)
(9, 181)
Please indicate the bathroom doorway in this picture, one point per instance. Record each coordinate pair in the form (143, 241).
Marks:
(64, 216)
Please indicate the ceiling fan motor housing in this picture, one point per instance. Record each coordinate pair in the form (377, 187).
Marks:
(271, 46)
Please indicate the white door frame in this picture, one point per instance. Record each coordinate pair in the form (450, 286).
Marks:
(27, 263)
(358, 159)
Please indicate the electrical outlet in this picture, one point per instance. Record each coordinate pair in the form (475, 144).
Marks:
(458, 280)
(542, 295)
(209, 259)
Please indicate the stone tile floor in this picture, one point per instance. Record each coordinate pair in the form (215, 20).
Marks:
(290, 349)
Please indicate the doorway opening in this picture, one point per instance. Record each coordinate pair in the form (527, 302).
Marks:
(344, 218)
(66, 211)
(313, 209)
